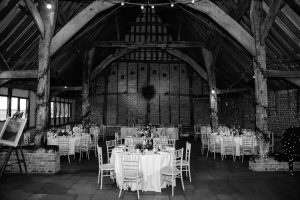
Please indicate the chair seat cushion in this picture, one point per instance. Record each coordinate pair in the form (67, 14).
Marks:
(132, 174)
(168, 170)
(185, 163)
(107, 166)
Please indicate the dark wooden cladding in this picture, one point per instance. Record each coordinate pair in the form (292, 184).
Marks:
(176, 87)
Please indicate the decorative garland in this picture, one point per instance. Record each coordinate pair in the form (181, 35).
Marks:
(148, 92)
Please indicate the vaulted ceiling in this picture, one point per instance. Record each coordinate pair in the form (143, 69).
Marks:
(19, 38)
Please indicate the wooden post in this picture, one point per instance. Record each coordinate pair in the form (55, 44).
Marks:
(88, 58)
(209, 62)
(43, 89)
(260, 28)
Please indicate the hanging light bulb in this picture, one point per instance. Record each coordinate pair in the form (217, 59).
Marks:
(142, 7)
(193, 1)
(213, 91)
(122, 3)
(152, 6)
(172, 5)
(49, 6)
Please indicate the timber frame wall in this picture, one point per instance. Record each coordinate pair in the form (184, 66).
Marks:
(116, 94)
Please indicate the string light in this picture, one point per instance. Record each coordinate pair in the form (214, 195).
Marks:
(172, 5)
(122, 3)
(193, 1)
(142, 7)
(152, 6)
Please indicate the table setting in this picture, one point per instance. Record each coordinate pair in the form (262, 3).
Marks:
(153, 156)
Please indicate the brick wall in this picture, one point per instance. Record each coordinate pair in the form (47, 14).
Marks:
(237, 110)
(37, 162)
(284, 110)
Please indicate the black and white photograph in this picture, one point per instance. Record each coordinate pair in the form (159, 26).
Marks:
(150, 99)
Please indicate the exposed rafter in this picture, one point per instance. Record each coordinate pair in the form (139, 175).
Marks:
(76, 23)
(225, 21)
(64, 88)
(274, 8)
(4, 61)
(233, 90)
(109, 59)
(164, 45)
(20, 74)
(283, 74)
(186, 58)
(36, 17)
(229, 24)
(177, 53)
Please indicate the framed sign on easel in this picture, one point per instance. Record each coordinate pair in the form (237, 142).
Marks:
(10, 136)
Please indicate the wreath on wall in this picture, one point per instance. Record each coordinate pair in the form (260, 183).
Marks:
(148, 92)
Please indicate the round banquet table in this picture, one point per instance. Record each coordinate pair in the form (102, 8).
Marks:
(237, 142)
(73, 142)
(150, 165)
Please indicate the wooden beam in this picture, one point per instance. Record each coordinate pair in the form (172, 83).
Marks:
(233, 90)
(283, 74)
(225, 21)
(65, 88)
(117, 28)
(36, 17)
(43, 88)
(208, 58)
(88, 58)
(228, 24)
(186, 58)
(134, 45)
(4, 61)
(77, 22)
(259, 66)
(177, 53)
(109, 59)
(20, 74)
(267, 24)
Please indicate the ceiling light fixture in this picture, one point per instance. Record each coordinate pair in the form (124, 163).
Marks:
(49, 6)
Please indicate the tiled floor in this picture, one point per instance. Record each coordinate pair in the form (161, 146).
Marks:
(211, 179)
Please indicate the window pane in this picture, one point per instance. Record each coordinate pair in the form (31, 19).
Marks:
(3, 107)
(69, 105)
(52, 109)
(57, 110)
(66, 110)
(62, 110)
(23, 106)
(14, 105)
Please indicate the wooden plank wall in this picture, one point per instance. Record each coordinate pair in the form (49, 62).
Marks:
(119, 100)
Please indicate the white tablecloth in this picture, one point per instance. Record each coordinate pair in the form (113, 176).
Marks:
(73, 142)
(150, 165)
(238, 143)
